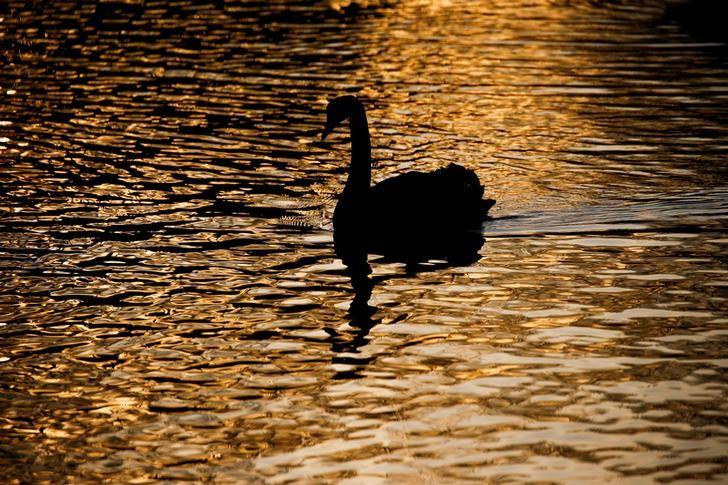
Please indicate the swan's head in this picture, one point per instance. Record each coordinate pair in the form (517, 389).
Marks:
(337, 111)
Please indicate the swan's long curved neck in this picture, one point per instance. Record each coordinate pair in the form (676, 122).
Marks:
(360, 174)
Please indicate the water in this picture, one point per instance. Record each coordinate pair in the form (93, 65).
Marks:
(171, 307)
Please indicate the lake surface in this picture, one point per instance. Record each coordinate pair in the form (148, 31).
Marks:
(171, 307)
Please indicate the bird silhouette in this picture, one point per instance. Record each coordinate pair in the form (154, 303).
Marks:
(411, 217)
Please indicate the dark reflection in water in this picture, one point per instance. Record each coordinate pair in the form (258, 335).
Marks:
(453, 249)
(702, 18)
(171, 307)
(461, 247)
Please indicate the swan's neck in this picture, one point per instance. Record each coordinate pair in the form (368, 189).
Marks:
(360, 173)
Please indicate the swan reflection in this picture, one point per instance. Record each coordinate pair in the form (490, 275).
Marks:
(463, 249)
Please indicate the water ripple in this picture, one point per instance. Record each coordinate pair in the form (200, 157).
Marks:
(171, 307)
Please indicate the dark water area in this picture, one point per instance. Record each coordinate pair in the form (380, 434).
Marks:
(171, 306)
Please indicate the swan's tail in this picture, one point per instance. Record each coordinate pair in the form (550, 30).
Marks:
(486, 205)
(468, 185)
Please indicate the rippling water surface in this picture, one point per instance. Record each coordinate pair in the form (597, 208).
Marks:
(171, 306)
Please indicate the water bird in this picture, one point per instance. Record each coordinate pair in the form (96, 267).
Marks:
(411, 217)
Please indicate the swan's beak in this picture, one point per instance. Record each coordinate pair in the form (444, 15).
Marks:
(327, 131)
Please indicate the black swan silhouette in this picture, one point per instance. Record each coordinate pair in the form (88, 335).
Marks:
(413, 217)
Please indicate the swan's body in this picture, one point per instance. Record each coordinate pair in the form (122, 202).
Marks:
(416, 215)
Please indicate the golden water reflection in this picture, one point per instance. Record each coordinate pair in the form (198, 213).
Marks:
(172, 307)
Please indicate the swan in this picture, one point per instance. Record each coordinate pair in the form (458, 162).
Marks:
(412, 216)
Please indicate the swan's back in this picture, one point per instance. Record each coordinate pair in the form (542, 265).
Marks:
(449, 198)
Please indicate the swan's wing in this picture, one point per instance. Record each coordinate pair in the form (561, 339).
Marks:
(447, 187)
(447, 198)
